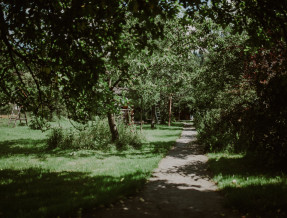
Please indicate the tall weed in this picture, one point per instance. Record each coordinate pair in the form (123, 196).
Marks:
(56, 138)
(129, 136)
(96, 136)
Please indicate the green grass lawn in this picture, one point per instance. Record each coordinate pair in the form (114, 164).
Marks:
(37, 182)
(249, 185)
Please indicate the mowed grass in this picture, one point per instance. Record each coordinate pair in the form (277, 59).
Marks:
(249, 185)
(37, 182)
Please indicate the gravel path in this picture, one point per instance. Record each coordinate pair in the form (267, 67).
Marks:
(179, 187)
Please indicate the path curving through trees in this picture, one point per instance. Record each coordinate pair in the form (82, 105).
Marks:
(179, 187)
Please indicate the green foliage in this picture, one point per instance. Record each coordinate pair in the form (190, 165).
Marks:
(95, 136)
(267, 72)
(220, 91)
(238, 97)
(70, 50)
(5, 109)
(264, 21)
(39, 123)
(56, 138)
(249, 184)
(129, 136)
(166, 71)
(240, 86)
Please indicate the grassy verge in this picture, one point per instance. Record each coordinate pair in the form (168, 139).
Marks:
(37, 182)
(250, 186)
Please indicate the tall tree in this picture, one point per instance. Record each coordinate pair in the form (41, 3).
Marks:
(63, 44)
(167, 71)
(71, 49)
(264, 21)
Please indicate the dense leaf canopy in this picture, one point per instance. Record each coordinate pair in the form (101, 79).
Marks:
(224, 60)
(64, 46)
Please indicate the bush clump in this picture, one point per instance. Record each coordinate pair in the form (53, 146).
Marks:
(128, 136)
(240, 102)
(56, 138)
(95, 136)
(39, 123)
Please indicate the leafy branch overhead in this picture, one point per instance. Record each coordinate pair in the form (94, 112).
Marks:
(64, 46)
(223, 61)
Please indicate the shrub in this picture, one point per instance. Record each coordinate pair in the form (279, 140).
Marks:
(94, 136)
(5, 109)
(56, 138)
(129, 136)
(39, 123)
(241, 101)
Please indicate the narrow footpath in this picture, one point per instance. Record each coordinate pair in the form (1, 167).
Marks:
(179, 187)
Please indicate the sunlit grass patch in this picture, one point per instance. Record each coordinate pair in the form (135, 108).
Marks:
(249, 185)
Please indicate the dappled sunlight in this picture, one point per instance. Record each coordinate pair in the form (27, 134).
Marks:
(35, 189)
(181, 186)
(97, 96)
(65, 180)
(21, 146)
(164, 199)
(196, 170)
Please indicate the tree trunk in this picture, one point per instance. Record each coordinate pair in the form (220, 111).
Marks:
(141, 114)
(112, 123)
(113, 127)
(179, 112)
(169, 110)
(153, 117)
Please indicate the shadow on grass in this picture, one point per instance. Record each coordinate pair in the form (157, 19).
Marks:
(161, 127)
(21, 146)
(164, 127)
(37, 193)
(261, 190)
(148, 150)
(244, 166)
(162, 146)
(10, 148)
(33, 142)
(171, 135)
(268, 200)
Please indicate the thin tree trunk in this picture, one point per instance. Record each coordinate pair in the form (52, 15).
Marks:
(141, 114)
(179, 112)
(153, 117)
(169, 110)
(113, 127)
(112, 122)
